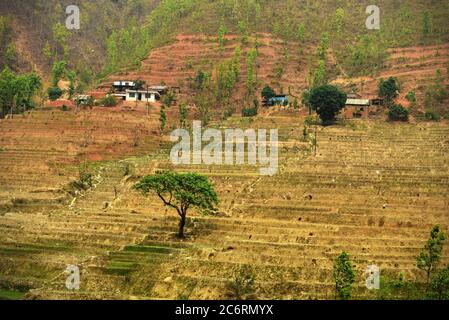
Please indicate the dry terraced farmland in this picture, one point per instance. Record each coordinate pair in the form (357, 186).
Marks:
(374, 189)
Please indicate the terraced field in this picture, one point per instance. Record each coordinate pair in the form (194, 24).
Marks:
(374, 189)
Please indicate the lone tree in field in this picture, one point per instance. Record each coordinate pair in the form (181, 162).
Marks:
(344, 276)
(431, 254)
(180, 191)
(327, 101)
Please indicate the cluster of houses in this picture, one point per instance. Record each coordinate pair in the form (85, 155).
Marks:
(356, 106)
(129, 91)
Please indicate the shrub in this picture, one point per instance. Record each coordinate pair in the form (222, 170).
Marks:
(432, 116)
(398, 113)
(242, 285)
(85, 180)
(108, 101)
(344, 276)
(411, 97)
(249, 112)
(64, 108)
(54, 93)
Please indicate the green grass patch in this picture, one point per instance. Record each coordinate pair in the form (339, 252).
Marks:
(11, 295)
(149, 249)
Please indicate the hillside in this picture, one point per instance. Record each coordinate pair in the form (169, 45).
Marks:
(177, 64)
(373, 187)
(32, 27)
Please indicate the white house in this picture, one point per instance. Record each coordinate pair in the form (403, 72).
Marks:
(122, 86)
(141, 95)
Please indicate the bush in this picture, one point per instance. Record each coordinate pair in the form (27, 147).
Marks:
(64, 108)
(411, 97)
(249, 112)
(242, 285)
(54, 93)
(108, 101)
(398, 113)
(432, 116)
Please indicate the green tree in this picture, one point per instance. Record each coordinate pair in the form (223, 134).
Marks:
(411, 97)
(17, 91)
(180, 191)
(327, 101)
(251, 80)
(11, 55)
(58, 71)
(46, 51)
(397, 112)
(323, 46)
(169, 98)
(108, 101)
(236, 62)
(71, 75)
(183, 115)
(301, 33)
(319, 74)
(61, 35)
(431, 254)
(427, 26)
(54, 93)
(162, 119)
(389, 90)
(440, 283)
(268, 93)
(339, 21)
(222, 36)
(344, 276)
(305, 100)
(139, 84)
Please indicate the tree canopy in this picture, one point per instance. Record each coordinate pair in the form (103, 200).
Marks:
(344, 276)
(389, 90)
(431, 254)
(327, 101)
(180, 191)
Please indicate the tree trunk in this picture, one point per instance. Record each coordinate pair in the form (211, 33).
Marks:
(182, 224)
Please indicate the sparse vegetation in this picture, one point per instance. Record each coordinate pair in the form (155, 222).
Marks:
(108, 101)
(431, 254)
(398, 113)
(242, 285)
(344, 276)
